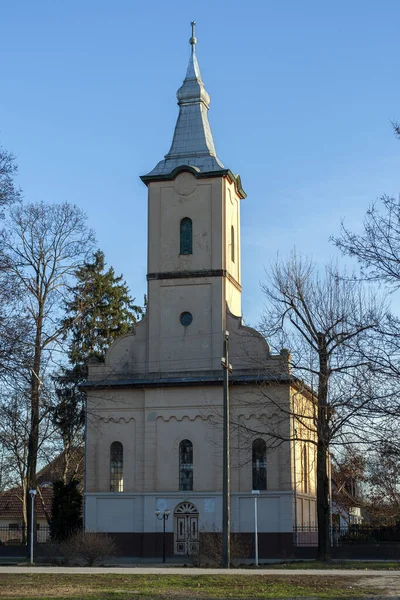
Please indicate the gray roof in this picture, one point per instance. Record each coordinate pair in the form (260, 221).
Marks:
(202, 378)
(193, 143)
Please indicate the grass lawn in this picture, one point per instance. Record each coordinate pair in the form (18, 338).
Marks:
(174, 587)
(355, 565)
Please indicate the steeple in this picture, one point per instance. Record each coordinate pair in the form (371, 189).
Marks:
(193, 143)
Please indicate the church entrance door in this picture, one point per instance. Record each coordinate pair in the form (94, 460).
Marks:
(186, 529)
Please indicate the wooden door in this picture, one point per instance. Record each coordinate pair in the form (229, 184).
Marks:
(186, 529)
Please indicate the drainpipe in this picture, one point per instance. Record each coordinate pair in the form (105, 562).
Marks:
(296, 538)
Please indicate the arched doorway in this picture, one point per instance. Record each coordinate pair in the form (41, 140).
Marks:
(186, 529)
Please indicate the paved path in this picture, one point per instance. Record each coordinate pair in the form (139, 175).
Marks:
(166, 570)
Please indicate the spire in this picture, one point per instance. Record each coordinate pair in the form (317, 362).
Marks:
(193, 143)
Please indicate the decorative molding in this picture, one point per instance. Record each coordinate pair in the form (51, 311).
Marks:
(199, 175)
(116, 420)
(186, 508)
(264, 417)
(184, 417)
(187, 274)
(194, 275)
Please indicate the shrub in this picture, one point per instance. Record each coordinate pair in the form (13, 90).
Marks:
(210, 548)
(89, 547)
(83, 547)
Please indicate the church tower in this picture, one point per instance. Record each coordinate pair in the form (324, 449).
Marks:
(193, 240)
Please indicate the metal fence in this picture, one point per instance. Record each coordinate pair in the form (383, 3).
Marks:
(347, 535)
(13, 535)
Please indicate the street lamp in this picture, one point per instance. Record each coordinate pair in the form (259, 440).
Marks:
(256, 493)
(33, 494)
(163, 516)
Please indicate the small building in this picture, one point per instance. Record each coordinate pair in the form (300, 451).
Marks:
(12, 520)
(12, 529)
(154, 433)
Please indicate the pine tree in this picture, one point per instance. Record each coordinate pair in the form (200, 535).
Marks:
(66, 510)
(101, 310)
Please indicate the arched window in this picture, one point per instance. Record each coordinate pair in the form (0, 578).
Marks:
(259, 463)
(186, 236)
(186, 466)
(116, 467)
(304, 468)
(232, 244)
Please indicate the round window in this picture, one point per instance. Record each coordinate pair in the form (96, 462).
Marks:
(186, 318)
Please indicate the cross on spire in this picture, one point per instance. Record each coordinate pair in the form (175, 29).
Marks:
(193, 39)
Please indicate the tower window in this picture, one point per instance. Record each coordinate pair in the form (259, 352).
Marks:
(186, 466)
(232, 244)
(116, 467)
(259, 463)
(186, 236)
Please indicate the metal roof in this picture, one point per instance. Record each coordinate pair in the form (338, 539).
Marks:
(193, 143)
(200, 379)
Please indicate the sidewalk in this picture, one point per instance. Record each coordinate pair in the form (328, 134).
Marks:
(173, 570)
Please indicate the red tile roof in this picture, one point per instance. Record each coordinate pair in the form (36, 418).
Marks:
(11, 503)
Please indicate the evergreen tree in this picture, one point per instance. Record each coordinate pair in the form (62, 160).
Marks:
(66, 510)
(100, 311)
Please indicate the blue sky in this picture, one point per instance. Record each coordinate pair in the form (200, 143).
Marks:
(302, 95)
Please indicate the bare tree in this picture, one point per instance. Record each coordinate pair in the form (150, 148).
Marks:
(13, 326)
(42, 246)
(377, 248)
(396, 128)
(324, 319)
(383, 490)
(9, 193)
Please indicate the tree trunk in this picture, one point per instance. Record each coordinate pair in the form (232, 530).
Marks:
(324, 547)
(67, 457)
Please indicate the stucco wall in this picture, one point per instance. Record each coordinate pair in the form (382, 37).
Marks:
(136, 513)
(151, 422)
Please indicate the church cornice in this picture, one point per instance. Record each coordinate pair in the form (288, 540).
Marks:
(152, 382)
(199, 175)
(194, 275)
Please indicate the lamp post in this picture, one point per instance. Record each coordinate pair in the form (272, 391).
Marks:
(226, 461)
(330, 498)
(163, 516)
(256, 494)
(33, 494)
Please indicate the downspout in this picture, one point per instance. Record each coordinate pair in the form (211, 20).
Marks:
(296, 538)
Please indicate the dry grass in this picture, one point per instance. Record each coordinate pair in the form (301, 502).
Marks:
(174, 587)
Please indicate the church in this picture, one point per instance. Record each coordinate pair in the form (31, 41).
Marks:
(154, 429)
